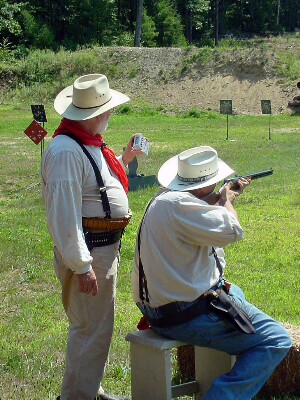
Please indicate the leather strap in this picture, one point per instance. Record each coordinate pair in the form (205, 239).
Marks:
(219, 266)
(142, 277)
(179, 317)
(102, 188)
(103, 238)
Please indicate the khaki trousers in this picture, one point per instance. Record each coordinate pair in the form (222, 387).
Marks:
(91, 320)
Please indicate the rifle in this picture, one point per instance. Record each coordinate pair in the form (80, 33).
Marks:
(253, 176)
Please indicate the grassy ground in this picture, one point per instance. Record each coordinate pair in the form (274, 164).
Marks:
(32, 322)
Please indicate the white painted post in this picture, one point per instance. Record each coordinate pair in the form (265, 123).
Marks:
(151, 369)
(209, 364)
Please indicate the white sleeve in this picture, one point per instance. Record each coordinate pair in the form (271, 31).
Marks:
(201, 224)
(120, 159)
(63, 200)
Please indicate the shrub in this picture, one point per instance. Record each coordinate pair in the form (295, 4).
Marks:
(149, 32)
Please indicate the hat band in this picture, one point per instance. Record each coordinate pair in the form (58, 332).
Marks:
(200, 179)
(88, 108)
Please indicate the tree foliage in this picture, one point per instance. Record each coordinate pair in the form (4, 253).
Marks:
(10, 19)
(170, 31)
(149, 32)
(72, 23)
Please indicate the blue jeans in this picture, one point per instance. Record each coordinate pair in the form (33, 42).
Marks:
(258, 353)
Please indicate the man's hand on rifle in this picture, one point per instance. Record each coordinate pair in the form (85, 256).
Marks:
(230, 191)
(234, 189)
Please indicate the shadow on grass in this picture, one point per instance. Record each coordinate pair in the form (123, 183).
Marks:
(141, 182)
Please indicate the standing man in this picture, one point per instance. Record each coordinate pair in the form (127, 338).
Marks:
(178, 280)
(86, 216)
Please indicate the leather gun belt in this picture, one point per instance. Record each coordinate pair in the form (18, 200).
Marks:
(106, 224)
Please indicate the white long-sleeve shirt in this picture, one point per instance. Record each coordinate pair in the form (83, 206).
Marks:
(70, 192)
(177, 237)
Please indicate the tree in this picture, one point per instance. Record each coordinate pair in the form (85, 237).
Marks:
(289, 17)
(149, 33)
(138, 28)
(10, 16)
(37, 34)
(216, 22)
(168, 24)
(69, 23)
(194, 13)
(126, 13)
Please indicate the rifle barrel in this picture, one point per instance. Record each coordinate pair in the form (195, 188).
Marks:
(261, 174)
(255, 175)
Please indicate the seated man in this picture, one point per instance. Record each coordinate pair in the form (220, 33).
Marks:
(178, 280)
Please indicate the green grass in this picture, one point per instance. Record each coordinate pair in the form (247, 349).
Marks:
(33, 327)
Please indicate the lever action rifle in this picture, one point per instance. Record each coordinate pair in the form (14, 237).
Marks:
(255, 175)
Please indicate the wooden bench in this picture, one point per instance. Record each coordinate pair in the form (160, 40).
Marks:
(151, 370)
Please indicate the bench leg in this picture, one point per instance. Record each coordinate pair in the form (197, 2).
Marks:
(150, 373)
(209, 364)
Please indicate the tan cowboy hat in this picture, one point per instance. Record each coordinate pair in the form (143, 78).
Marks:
(88, 97)
(192, 169)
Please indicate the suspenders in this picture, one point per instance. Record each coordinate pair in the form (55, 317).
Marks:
(102, 188)
(142, 277)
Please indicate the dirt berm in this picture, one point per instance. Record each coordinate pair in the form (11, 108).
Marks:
(185, 79)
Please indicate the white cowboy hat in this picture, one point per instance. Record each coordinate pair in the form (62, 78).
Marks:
(88, 97)
(192, 169)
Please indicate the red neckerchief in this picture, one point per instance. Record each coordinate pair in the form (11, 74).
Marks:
(68, 126)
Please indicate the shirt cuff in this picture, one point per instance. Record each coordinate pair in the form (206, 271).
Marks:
(83, 270)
